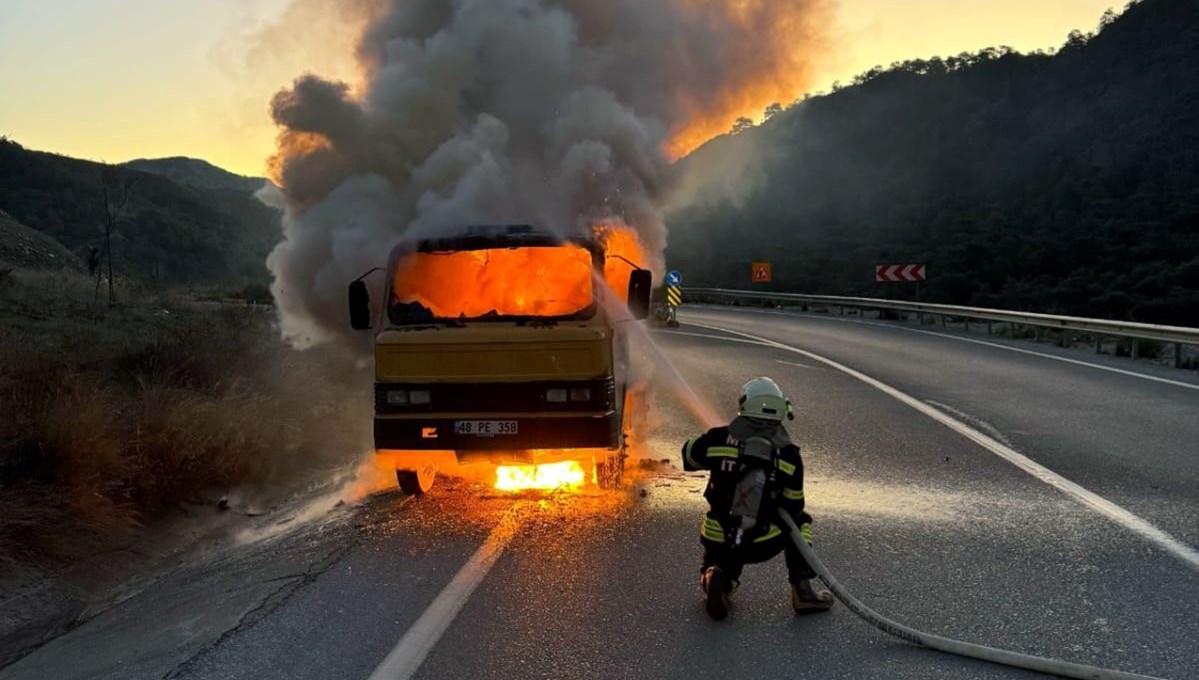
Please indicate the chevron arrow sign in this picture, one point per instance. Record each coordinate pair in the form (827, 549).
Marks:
(898, 272)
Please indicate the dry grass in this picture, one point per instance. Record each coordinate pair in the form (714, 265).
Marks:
(114, 416)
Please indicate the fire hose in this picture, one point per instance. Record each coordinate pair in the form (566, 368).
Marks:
(944, 644)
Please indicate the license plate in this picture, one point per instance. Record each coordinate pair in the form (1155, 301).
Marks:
(485, 428)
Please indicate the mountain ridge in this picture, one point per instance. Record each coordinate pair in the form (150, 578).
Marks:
(196, 172)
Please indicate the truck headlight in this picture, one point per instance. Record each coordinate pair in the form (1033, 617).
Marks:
(419, 397)
(397, 397)
(556, 395)
(580, 394)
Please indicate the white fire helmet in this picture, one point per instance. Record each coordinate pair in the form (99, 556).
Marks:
(761, 398)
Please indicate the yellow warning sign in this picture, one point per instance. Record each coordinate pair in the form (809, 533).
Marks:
(674, 296)
(761, 272)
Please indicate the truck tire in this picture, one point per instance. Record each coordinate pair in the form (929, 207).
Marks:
(416, 482)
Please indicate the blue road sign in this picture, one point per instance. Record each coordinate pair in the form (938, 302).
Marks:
(674, 278)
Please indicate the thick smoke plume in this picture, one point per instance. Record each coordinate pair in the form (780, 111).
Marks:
(561, 113)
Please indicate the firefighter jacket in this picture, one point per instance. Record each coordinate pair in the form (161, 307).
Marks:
(717, 450)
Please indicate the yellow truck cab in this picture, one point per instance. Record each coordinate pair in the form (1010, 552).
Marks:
(500, 345)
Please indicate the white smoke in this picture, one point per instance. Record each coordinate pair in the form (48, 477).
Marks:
(553, 113)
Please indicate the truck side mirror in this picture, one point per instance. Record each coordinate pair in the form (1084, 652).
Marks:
(641, 282)
(360, 306)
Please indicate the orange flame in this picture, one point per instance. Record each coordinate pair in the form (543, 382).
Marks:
(531, 281)
(620, 242)
(777, 65)
(567, 474)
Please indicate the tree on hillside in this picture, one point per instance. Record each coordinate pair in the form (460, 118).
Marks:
(741, 125)
(114, 197)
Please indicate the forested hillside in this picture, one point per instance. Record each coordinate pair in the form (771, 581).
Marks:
(169, 232)
(1062, 183)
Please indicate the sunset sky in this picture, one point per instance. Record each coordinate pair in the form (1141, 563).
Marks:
(120, 79)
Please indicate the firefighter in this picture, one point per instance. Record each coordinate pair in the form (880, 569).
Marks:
(755, 469)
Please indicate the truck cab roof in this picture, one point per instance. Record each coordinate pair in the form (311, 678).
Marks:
(490, 236)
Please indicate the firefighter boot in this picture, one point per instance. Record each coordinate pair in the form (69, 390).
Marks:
(806, 599)
(716, 599)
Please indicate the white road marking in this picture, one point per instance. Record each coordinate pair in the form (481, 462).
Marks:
(410, 652)
(1092, 500)
(709, 336)
(796, 364)
(1068, 360)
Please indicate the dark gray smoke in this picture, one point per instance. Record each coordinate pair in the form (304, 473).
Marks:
(554, 113)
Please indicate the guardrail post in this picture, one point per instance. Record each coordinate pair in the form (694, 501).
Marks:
(943, 318)
(1036, 333)
(1135, 351)
(988, 327)
(966, 321)
(1098, 344)
(1178, 355)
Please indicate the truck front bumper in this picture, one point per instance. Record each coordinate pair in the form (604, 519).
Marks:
(566, 431)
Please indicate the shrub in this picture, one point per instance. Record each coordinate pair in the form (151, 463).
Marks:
(114, 417)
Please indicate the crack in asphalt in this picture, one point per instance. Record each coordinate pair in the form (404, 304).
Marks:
(273, 600)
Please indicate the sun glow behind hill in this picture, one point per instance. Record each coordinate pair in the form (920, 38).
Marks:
(235, 55)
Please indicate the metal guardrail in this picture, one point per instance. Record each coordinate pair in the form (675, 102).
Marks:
(1179, 335)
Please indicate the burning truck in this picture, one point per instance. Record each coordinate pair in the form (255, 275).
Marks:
(508, 346)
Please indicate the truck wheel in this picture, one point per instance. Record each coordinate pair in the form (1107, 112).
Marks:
(416, 482)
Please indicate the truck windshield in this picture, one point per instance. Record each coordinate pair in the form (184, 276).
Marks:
(498, 284)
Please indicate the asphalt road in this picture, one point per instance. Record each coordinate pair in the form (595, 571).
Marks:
(916, 519)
